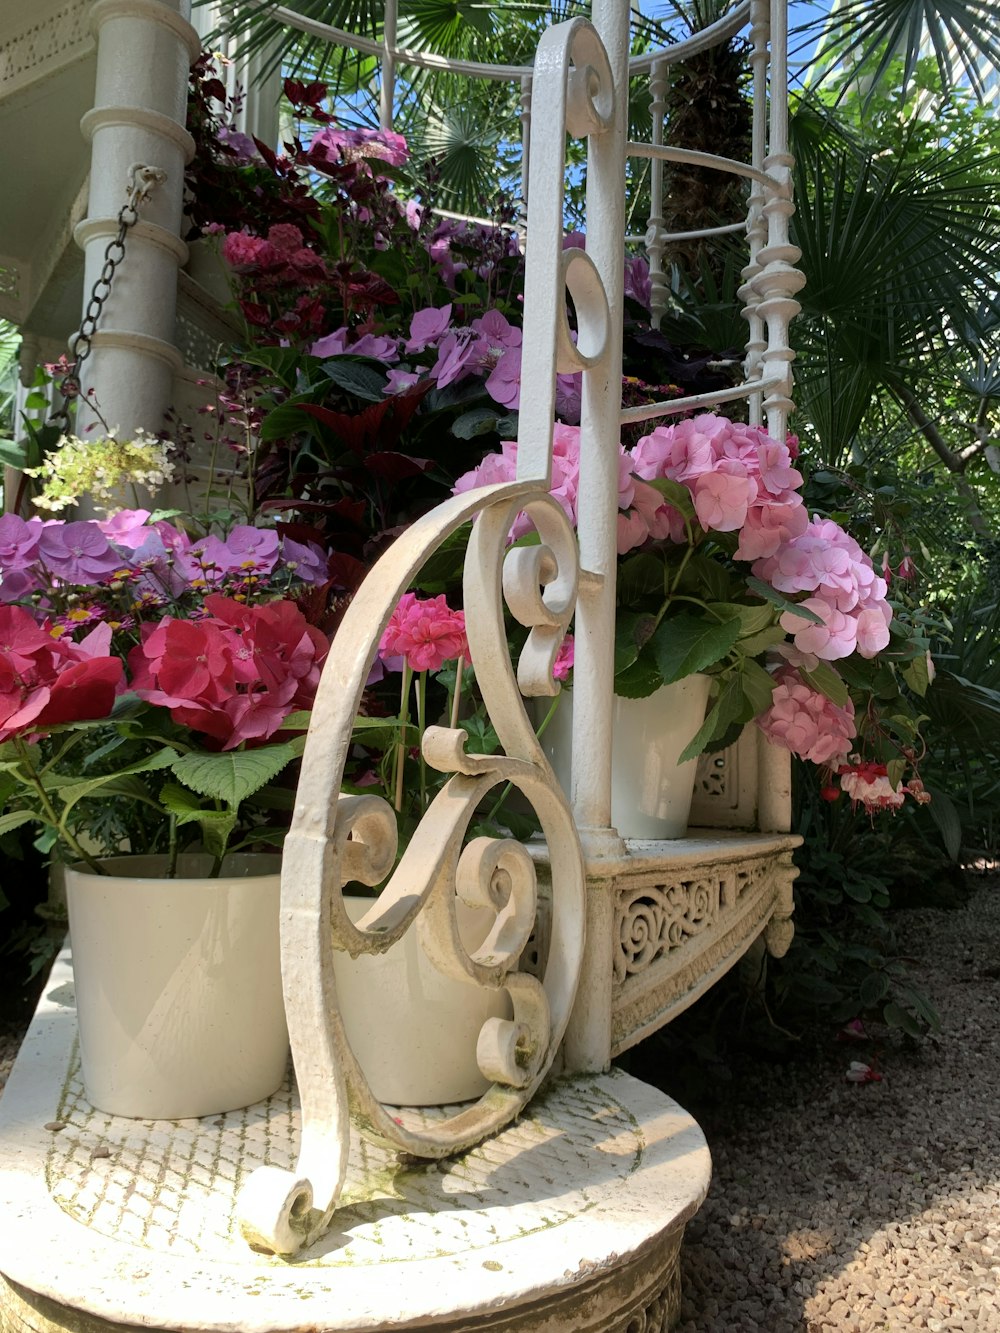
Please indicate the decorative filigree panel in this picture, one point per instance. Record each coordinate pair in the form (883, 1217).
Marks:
(33, 52)
(674, 939)
(655, 919)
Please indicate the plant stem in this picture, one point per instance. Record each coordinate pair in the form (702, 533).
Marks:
(421, 723)
(404, 713)
(49, 811)
(172, 849)
(456, 697)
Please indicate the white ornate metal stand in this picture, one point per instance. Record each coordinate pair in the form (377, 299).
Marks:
(626, 936)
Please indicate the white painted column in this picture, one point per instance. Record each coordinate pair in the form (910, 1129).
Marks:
(593, 675)
(145, 48)
(756, 226)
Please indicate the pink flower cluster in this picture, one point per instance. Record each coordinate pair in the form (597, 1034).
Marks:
(234, 675)
(283, 255)
(807, 722)
(739, 478)
(45, 680)
(425, 632)
(643, 513)
(846, 593)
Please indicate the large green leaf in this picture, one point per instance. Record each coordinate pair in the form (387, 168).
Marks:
(685, 644)
(216, 825)
(111, 784)
(232, 776)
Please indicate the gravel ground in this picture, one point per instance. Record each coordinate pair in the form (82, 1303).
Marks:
(856, 1207)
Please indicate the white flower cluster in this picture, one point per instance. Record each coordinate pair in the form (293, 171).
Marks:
(101, 469)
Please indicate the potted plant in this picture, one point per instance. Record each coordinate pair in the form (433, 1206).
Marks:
(152, 688)
(731, 595)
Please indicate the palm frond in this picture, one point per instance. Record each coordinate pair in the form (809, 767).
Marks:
(962, 35)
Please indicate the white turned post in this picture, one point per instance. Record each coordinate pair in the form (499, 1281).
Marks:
(655, 232)
(778, 280)
(144, 50)
(387, 87)
(593, 674)
(756, 226)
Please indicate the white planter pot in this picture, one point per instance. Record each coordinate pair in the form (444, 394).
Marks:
(650, 791)
(412, 1029)
(178, 985)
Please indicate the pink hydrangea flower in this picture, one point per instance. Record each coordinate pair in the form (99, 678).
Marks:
(806, 722)
(428, 327)
(425, 632)
(504, 383)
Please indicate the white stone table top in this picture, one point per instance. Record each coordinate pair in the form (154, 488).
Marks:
(133, 1221)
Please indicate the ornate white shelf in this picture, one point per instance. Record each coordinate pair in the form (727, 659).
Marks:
(571, 1218)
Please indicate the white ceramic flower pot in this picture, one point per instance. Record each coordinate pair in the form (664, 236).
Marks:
(651, 792)
(178, 985)
(412, 1029)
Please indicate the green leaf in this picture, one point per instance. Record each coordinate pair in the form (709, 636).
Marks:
(478, 421)
(755, 644)
(873, 989)
(757, 685)
(945, 816)
(826, 680)
(676, 493)
(232, 776)
(730, 707)
(632, 632)
(13, 454)
(357, 377)
(640, 576)
(15, 819)
(752, 619)
(111, 784)
(638, 681)
(898, 1017)
(859, 890)
(685, 644)
(216, 825)
(763, 589)
(917, 676)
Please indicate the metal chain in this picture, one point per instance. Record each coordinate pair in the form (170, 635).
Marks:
(141, 181)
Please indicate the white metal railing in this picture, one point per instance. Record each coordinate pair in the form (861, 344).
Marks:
(335, 838)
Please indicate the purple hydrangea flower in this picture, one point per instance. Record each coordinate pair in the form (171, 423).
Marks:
(77, 552)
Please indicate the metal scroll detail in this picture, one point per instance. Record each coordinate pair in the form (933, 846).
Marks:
(337, 838)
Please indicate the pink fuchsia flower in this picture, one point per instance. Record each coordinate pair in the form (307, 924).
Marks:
(868, 784)
(428, 327)
(426, 633)
(806, 722)
(563, 664)
(859, 1072)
